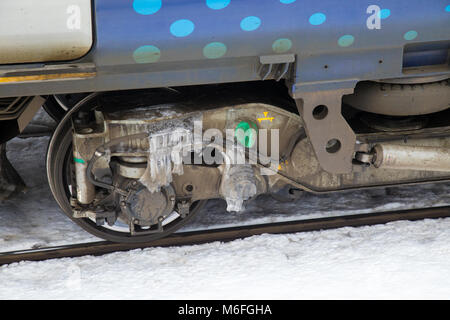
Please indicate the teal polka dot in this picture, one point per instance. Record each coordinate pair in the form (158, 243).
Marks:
(410, 35)
(384, 13)
(214, 50)
(182, 28)
(346, 41)
(146, 54)
(217, 4)
(250, 23)
(447, 8)
(282, 45)
(147, 6)
(287, 1)
(317, 19)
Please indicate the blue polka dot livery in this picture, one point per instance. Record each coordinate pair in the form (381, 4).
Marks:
(250, 23)
(182, 28)
(346, 40)
(282, 45)
(217, 4)
(317, 19)
(214, 50)
(410, 35)
(147, 7)
(147, 54)
(384, 13)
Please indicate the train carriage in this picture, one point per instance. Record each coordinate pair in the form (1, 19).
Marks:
(164, 104)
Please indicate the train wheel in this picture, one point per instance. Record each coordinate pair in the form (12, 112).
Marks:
(56, 106)
(61, 176)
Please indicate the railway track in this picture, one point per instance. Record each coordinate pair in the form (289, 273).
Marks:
(224, 234)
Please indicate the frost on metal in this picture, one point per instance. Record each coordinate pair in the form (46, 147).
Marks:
(170, 134)
(238, 184)
(165, 157)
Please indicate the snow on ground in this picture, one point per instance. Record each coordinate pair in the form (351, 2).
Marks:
(396, 260)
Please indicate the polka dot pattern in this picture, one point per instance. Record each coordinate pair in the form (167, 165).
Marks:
(282, 45)
(146, 54)
(384, 13)
(182, 28)
(147, 7)
(217, 4)
(346, 40)
(214, 50)
(317, 19)
(410, 35)
(250, 23)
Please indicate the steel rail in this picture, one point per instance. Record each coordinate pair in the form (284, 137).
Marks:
(225, 234)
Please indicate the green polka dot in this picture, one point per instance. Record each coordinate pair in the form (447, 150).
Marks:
(214, 50)
(146, 54)
(282, 45)
(410, 35)
(346, 41)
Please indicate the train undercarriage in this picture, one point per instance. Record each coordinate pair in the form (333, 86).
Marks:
(133, 166)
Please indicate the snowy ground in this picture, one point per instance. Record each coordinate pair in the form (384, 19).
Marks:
(397, 260)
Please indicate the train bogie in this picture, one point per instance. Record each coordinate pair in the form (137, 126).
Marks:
(162, 105)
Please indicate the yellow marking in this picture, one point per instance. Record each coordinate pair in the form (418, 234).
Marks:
(284, 163)
(46, 77)
(266, 117)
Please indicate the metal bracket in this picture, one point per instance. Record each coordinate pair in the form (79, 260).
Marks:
(332, 138)
(276, 66)
(183, 208)
(16, 114)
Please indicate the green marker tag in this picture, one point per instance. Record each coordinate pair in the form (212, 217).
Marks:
(79, 160)
(245, 133)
